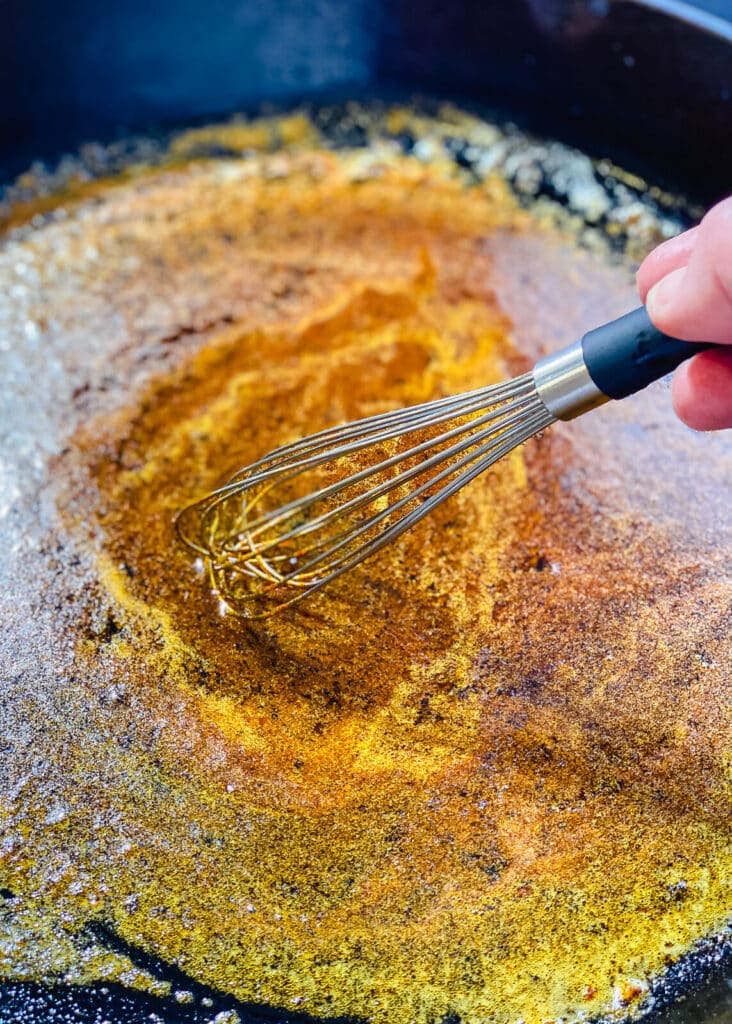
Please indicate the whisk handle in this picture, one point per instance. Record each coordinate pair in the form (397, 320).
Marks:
(628, 354)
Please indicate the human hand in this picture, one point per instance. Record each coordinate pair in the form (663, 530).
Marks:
(686, 285)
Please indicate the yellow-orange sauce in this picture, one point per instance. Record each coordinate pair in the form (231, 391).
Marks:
(486, 773)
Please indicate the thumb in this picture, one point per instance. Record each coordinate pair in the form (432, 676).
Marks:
(695, 302)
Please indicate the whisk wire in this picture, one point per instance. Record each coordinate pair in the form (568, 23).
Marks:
(487, 454)
(302, 578)
(272, 519)
(354, 504)
(411, 416)
(371, 431)
(286, 548)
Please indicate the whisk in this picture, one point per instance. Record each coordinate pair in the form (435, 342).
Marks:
(294, 521)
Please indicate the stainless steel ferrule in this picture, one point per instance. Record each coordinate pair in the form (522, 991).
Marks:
(564, 384)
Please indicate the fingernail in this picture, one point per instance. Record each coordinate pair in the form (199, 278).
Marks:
(662, 295)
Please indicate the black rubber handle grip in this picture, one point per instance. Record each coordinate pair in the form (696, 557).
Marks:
(628, 354)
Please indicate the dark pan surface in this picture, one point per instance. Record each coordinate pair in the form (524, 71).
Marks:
(649, 85)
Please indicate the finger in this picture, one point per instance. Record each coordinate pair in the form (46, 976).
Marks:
(665, 258)
(702, 391)
(695, 302)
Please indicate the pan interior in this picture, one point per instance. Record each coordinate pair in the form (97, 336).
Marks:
(488, 773)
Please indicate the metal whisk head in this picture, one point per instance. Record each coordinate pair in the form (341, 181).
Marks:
(297, 519)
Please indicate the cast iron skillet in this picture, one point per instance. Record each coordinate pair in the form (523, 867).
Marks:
(646, 82)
